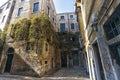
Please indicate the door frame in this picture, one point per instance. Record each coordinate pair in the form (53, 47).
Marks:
(9, 53)
(96, 54)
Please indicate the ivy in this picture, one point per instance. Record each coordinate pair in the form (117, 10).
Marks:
(33, 32)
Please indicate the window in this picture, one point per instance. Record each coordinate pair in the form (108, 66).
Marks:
(72, 26)
(73, 39)
(3, 19)
(53, 19)
(115, 52)
(48, 10)
(1, 10)
(36, 7)
(112, 26)
(22, 0)
(71, 16)
(61, 17)
(20, 11)
(62, 27)
(46, 47)
(8, 5)
(46, 62)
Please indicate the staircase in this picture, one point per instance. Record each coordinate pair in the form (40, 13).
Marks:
(32, 61)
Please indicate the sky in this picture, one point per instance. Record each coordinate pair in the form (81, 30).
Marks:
(64, 5)
(61, 5)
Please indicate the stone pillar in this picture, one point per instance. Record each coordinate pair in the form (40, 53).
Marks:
(105, 59)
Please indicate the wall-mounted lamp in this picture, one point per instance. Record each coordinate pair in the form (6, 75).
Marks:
(94, 21)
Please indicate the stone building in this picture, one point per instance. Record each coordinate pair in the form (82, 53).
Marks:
(99, 24)
(6, 13)
(15, 59)
(30, 9)
(69, 40)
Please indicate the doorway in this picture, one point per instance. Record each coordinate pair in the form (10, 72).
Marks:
(63, 59)
(75, 58)
(8, 65)
(98, 59)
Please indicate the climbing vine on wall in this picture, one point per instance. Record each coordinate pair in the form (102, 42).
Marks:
(33, 32)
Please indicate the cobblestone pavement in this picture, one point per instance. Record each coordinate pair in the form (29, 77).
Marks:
(62, 74)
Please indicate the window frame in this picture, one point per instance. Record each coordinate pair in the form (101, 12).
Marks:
(62, 17)
(3, 19)
(111, 27)
(37, 6)
(20, 11)
(72, 25)
(61, 27)
(71, 17)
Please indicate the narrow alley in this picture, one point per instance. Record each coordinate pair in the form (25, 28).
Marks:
(59, 39)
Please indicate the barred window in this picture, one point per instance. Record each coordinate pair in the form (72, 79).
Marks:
(112, 26)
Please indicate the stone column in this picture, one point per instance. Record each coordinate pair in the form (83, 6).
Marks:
(105, 59)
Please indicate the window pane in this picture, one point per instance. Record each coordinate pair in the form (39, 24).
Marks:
(115, 32)
(115, 52)
(110, 35)
(62, 17)
(112, 24)
(1, 10)
(118, 50)
(36, 7)
(71, 16)
(72, 26)
(107, 28)
(117, 20)
(118, 29)
(22, 0)
(62, 27)
(3, 19)
(20, 11)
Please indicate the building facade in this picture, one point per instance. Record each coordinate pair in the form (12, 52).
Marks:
(6, 11)
(69, 40)
(99, 24)
(67, 22)
(30, 9)
(14, 59)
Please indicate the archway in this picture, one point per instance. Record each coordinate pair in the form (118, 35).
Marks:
(8, 65)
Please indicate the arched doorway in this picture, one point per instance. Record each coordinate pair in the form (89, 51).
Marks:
(8, 65)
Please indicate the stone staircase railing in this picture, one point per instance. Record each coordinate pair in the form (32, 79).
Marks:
(32, 61)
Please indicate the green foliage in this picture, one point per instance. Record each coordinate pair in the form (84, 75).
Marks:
(33, 31)
(20, 30)
(3, 35)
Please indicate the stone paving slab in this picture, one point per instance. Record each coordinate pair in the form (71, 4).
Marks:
(62, 74)
(45, 78)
